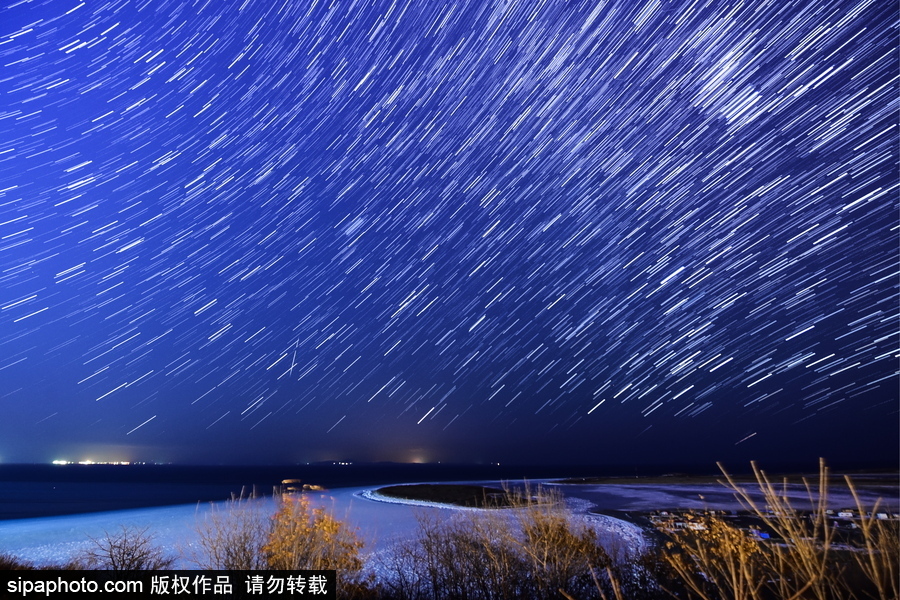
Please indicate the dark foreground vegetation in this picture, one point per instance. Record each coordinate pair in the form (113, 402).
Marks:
(538, 550)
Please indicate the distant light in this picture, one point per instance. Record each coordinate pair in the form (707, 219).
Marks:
(91, 462)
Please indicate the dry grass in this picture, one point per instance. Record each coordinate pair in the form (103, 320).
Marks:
(719, 557)
(721, 561)
(8, 562)
(880, 562)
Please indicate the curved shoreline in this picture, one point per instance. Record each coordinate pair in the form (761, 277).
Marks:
(374, 496)
(633, 536)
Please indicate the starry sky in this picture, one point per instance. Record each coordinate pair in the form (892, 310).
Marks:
(288, 231)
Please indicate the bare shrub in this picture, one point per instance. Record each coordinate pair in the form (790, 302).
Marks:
(232, 537)
(560, 555)
(131, 549)
(244, 535)
(469, 556)
(643, 577)
(303, 537)
(533, 550)
(10, 562)
(634, 573)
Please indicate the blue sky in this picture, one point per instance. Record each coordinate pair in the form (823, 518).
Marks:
(562, 231)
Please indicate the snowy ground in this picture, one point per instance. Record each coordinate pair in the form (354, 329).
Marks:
(380, 521)
(54, 540)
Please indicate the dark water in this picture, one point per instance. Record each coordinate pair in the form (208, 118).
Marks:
(46, 490)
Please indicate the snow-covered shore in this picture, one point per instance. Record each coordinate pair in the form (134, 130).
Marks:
(380, 521)
(621, 537)
(632, 539)
(374, 496)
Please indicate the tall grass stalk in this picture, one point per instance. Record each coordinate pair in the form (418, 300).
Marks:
(717, 560)
(881, 560)
(801, 562)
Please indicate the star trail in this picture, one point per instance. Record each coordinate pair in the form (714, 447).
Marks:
(392, 230)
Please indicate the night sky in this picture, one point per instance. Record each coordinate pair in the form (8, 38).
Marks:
(290, 231)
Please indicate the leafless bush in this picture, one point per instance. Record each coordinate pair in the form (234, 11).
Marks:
(131, 549)
(560, 555)
(232, 536)
(469, 556)
(533, 550)
(304, 537)
(10, 562)
(243, 535)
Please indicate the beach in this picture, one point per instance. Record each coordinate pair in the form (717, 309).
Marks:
(381, 521)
